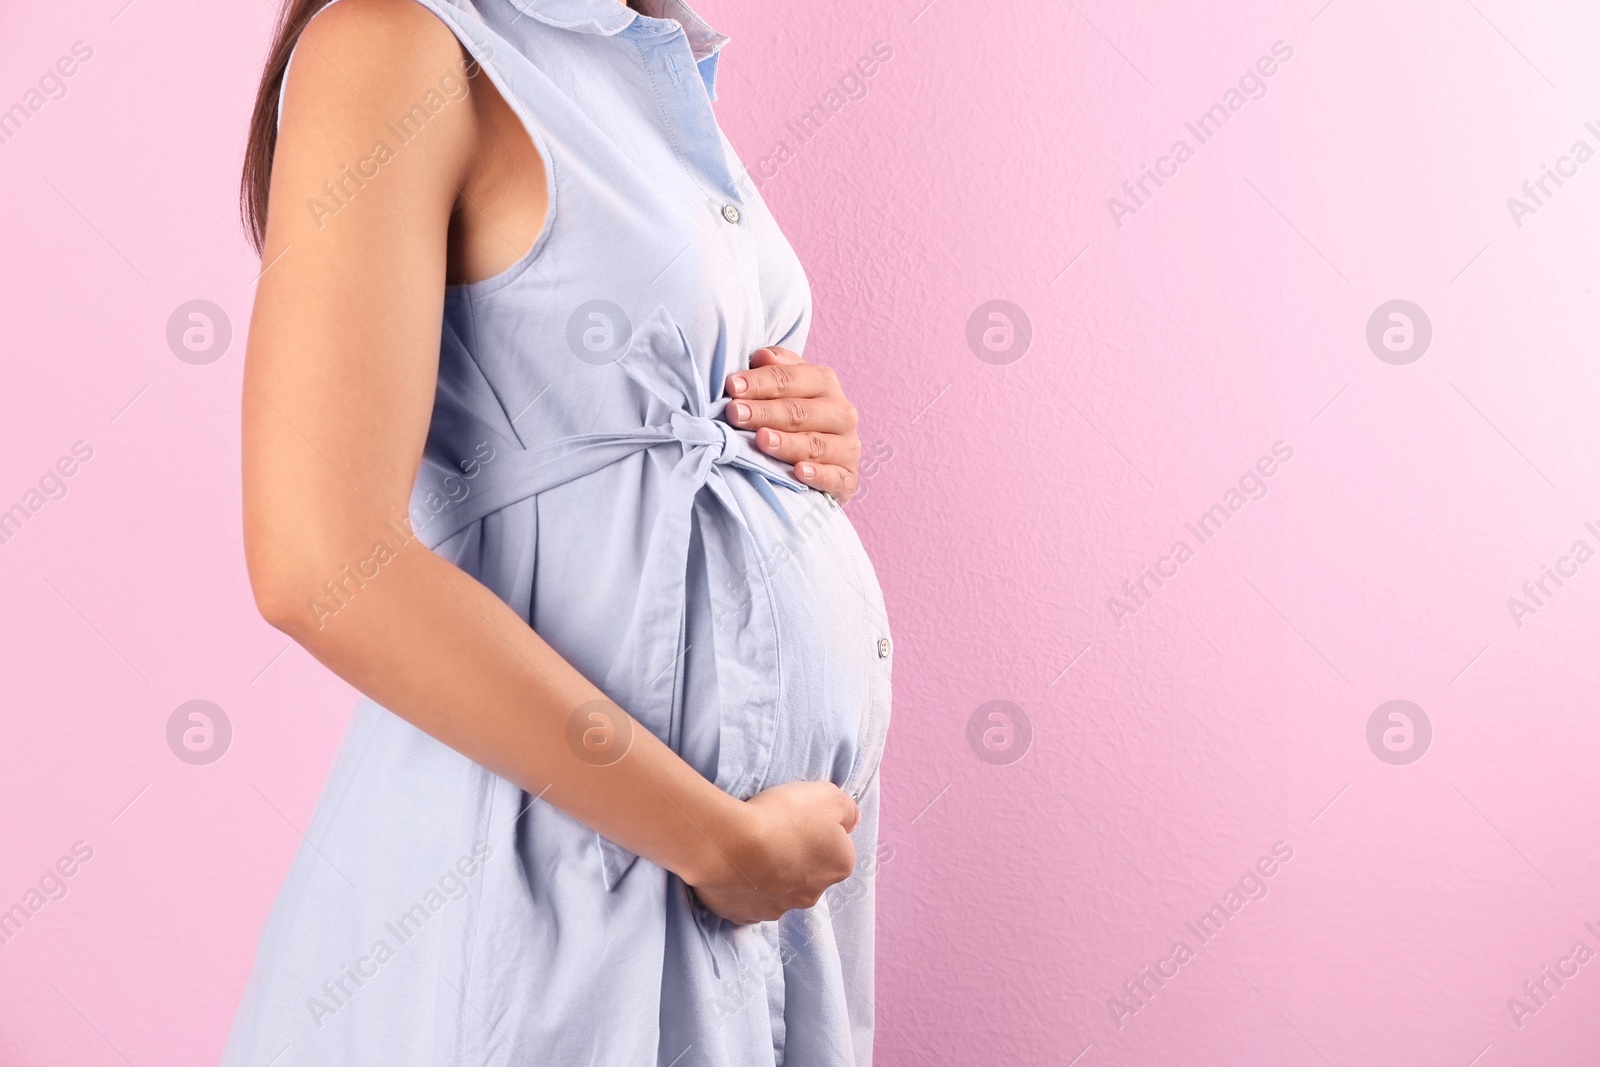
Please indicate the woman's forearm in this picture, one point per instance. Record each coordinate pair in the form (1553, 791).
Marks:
(436, 647)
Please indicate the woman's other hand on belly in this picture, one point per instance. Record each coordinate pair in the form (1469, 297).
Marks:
(800, 416)
(795, 844)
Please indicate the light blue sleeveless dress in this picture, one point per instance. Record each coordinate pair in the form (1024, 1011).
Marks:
(578, 465)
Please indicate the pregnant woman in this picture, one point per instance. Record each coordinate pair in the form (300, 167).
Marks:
(530, 459)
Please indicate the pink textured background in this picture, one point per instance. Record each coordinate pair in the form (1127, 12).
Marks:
(1169, 752)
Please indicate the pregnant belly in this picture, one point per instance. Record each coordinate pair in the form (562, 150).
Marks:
(773, 666)
(835, 648)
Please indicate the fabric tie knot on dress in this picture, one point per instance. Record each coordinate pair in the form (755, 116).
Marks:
(698, 431)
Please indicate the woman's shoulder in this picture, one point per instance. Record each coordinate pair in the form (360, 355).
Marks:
(373, 55)
(361, 66)
(399, 32)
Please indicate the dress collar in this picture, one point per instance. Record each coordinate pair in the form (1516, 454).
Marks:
(704, 41)
(612, 16)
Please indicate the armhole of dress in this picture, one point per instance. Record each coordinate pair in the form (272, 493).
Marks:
(481, 53)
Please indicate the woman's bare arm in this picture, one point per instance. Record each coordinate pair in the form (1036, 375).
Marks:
(339, 384)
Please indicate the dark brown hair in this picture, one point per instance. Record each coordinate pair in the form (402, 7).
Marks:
(257, 176)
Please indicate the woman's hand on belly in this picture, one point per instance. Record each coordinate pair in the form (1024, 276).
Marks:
(800, 416)
(796, 843)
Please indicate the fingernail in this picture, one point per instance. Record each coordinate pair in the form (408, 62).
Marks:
(807, 471)
(741, 412)
(737, 384)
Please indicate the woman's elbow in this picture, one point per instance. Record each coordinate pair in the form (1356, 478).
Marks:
(285, 594)
(279, 603)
